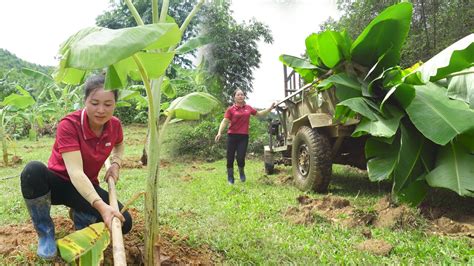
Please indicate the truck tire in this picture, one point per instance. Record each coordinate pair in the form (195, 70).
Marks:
(311, 160)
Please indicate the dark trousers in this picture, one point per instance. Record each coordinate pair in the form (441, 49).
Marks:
(37, 180)
(236, 144)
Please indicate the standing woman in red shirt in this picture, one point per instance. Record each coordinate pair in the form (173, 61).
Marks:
(238, 115)
(84, 140)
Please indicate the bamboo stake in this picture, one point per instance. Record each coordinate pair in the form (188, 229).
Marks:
(118, 248)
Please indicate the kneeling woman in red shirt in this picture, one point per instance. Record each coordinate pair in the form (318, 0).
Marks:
(238, 115)
(84, 140)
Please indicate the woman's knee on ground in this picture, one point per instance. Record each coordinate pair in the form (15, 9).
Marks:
(33, 180)
(127, 225)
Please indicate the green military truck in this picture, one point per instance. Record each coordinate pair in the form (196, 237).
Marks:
(306, 136)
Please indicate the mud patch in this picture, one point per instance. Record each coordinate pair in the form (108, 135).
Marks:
(339, 210)
(446, 225)
(384, 214)
(281, 179)
(132, 163)
(186, 178)
(21, 240)
(376, 247)
(284, 179)
(330, 209)
(448, 213)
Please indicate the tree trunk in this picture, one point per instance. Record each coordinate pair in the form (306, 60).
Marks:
(435, 14)
(425, 24)
(4, 144)
(152, 250)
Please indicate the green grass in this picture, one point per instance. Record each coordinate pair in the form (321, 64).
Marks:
(245, 222)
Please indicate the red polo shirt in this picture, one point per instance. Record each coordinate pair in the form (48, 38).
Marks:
(239, 117)
(74, 134)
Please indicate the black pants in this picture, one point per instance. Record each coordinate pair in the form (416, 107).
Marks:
(37, 180)
(236, 143)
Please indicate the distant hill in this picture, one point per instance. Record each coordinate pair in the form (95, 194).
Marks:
(10, 73)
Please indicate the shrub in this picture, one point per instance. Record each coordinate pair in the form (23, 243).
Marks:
(131, 114)
(196, 138)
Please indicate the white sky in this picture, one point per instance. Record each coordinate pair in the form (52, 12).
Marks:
(34, 29)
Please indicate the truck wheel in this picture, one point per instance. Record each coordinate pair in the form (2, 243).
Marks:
(311, 160)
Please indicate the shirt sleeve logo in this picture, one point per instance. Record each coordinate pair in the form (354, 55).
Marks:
(108, 144)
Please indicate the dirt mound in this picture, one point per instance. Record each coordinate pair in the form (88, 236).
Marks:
(376, 247)
(448, 213)
(186, 178)
(395, 217)
(282, 178)
(131, 163)
(134, 163)
(383, 215)
(447, 226)
(21, 240)
(328, 209)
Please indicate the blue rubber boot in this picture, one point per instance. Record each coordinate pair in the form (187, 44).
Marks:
(230, 175)
(39, 211)
(81, 219)
(242, 174)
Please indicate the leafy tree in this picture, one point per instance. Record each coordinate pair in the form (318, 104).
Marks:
(233, 53)
(435, 24)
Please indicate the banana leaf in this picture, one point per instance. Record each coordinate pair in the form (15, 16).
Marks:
(454, 169)
(461, 87)
(193, 44)
(97, 48)
(329, 46)
(381, 158)
(192, 106)
(409, 164)
(374, 122)
(383, 36)
(85, 246)
(456, 57)
(436, 116)
(19, 101)
(346, 86)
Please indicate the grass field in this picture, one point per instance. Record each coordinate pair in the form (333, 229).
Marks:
(246, 223)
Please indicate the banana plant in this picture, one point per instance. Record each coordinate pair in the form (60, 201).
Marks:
(141, 53)
(420, 120)
(62, 100)
(189, 107)
(11, 103)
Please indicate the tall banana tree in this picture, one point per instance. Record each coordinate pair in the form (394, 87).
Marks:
(141, 53)
(420, 120)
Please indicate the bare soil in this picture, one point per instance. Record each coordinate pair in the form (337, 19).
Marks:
(132, 163)
(21, 240)
(376, 247)
(337, 210)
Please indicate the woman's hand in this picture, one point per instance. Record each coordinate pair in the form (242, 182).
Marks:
(218, 137)
(113, 172)
(108, 213)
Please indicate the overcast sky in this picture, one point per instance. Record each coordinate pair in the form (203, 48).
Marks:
(34, 29)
